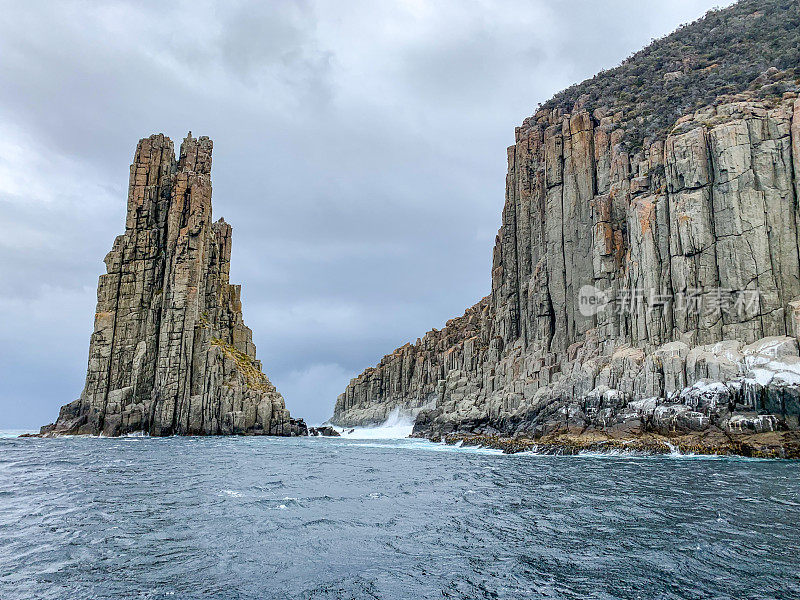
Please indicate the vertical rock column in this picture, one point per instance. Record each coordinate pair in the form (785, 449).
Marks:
(170, 353)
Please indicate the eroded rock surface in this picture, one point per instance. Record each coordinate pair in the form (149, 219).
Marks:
(691, 245)
(170, 353)
(323, 431)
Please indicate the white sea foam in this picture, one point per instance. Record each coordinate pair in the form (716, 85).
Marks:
(397, 426)
(12, 433)
(421, 444)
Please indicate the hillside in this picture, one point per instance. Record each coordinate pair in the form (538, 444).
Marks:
(723, 53)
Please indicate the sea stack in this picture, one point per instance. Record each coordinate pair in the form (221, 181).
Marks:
(170, 353)
(646, 276)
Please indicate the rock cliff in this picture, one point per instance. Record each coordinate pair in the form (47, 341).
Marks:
(636, 287)
(170, 353)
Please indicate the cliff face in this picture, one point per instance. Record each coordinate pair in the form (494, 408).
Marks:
(689, 251)
(633, 291)
(412, 377)
(170, 353)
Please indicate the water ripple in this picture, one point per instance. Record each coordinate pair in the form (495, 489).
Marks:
(343, 518)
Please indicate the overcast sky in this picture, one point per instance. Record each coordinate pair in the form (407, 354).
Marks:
(359, 153)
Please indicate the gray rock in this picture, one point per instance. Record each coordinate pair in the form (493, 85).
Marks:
(323, 431)
(170, 353)
(709, 215)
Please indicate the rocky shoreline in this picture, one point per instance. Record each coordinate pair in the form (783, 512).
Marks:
(783, 445)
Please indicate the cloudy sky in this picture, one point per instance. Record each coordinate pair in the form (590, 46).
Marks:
(359, 153)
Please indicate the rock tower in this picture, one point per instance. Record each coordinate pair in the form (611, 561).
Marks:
(170, 353)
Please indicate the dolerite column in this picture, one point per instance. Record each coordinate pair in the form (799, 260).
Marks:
(124, 343)
(187, 229)
(170, 353)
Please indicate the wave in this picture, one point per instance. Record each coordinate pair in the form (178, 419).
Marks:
(12, 433)
(398, 425)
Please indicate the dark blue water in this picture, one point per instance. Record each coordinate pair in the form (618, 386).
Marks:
(333, 518)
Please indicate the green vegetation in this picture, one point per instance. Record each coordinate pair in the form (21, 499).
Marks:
(252, 374)
(726, 52)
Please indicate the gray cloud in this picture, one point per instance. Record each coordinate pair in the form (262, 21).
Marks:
(359, 155)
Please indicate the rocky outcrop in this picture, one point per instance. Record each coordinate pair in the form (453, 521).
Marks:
(170, 353)
(323, 431)
(412, 377)
(632, 292)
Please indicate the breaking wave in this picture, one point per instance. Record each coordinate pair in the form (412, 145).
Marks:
(397, 425)
(13, 433)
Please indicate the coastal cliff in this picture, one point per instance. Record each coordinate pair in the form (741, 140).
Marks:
(645, 280)
(170, 353)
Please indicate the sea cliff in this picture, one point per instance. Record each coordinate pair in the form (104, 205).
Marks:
(644, 280)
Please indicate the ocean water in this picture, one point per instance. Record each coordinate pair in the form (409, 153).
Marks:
(364, 517)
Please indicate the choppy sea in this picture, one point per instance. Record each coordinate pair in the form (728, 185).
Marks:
(373, 515)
